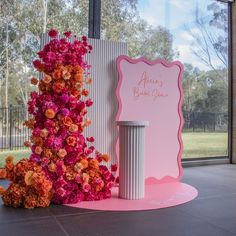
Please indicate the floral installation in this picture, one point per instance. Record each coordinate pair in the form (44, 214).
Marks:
(60, 152)
(29, 185)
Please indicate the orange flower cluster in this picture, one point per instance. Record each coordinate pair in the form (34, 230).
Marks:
(64, 77)
(29, 186)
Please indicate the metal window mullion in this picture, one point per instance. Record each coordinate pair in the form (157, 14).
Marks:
(94, 21)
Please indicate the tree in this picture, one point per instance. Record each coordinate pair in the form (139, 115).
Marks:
(28, 19)
(211, 38)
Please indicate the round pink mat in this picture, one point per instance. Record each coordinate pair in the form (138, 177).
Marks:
(156, 196)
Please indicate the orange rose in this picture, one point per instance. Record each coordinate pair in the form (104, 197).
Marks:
(52, 167)
(78, 167)
(1, 190)
(78, 69)
(47, 79)
(78, 77)
(89, 81)
(75, 93)
(34, 81)
(87, 122)
(38, 141)
(94, 163)
(56, 74)
(3, 173)
(30, 123)
(84, 163)
(49, 113)
(58, 86)
(66, 75)
(9, 160)
(62, 153)
(29, 179)
(73, 128)
(105, 157)
(67, 121)
(85, 177)
(38, 150)
(85, 92)
(48, 153)
(71, 140)
(44, 133)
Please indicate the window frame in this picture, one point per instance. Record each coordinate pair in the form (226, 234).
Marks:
(94, 29)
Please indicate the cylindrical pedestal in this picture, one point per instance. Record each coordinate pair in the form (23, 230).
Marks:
(131, 159)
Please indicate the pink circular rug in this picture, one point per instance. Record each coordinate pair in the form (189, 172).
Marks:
(156, 196)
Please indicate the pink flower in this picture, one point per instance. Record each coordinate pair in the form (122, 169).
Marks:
(114, 167)
(89, 102)
(67, 34)
(37, 64)
(90, 139)
(52, 33)
(86, 187)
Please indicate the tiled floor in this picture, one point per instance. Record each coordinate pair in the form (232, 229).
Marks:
(213, 213)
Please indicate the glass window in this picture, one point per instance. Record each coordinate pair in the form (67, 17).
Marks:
(21, 25)
(196, 33)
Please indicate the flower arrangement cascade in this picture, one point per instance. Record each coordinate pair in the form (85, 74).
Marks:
(64, 166)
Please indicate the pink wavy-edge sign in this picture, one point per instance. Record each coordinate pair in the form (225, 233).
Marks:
(152, 90)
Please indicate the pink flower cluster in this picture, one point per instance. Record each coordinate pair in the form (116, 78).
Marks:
(60, 51)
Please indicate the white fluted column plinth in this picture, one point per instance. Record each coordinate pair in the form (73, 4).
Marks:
(131, 159)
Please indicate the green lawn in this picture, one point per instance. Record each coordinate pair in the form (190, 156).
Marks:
(17, 154)
(200, 144)
(195, 145)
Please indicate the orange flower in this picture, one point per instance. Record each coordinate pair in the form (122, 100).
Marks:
(30, 123)
(29, 177)
(85, 177)
(48, 153)
(49, 113)
(78, 167)
(87, 122)
(71, 140)
(44, 133)
(62, 153)
(85, 92)
(34, 81)
(58, 86)
(38, 150)
(9, 160)
(73, 128)
(56, 74)
(52, 167)
(78, 77)
(89, 81)
(3, 173)
(94, 164)
(1, 190)
(67, 121)
(84, 163)
(38, 141)
(105, 157)
(66, 75)
(75, 93)
(47, 79)
(78, 68)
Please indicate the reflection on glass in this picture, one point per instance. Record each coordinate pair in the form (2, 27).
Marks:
(196, 33)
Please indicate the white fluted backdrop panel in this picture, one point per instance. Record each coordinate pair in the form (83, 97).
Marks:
(102, 92)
